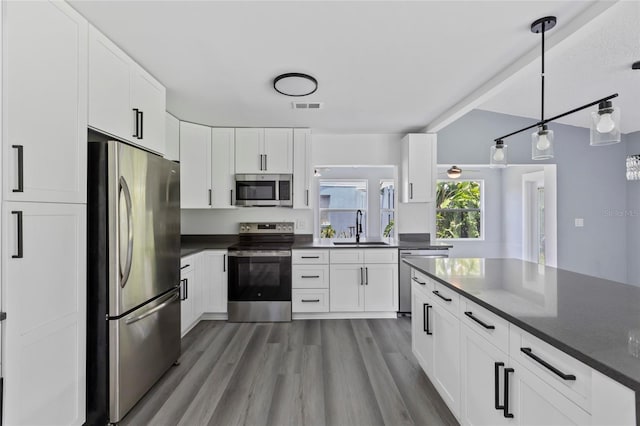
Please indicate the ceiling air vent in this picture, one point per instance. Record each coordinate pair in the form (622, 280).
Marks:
(307, 105)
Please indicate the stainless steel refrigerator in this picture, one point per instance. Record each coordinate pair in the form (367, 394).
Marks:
(133, 324)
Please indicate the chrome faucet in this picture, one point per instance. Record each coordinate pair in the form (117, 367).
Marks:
(358, 225)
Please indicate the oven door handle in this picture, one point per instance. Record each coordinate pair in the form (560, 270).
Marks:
(260, 253)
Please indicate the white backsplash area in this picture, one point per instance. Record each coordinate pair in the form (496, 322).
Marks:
(219, 221)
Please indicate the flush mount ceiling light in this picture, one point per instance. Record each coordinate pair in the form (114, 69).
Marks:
(454, 172)
(605, 125)
(295, 84)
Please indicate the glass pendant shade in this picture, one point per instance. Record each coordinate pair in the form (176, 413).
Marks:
(498, 157)
(542, 144)
(605, 125)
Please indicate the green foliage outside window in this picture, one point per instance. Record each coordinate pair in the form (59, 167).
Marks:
(458, 213)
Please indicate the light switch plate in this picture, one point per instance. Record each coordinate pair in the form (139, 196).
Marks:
(300, 224)
(579, 222)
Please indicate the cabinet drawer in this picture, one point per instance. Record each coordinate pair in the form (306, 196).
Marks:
(446, 297)
(550, 364)
(421, 282)
(381, 256)
(486, 323)
(309, 300)
(310, 257)
(346, 256)
(310, 276)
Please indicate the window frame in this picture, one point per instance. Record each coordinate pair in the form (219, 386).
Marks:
(482, 211)
(393, 211)
(365, 210)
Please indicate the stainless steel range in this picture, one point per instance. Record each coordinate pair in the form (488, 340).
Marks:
(260, 273)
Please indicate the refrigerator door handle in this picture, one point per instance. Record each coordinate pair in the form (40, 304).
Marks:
(124, 274)
(153, 310)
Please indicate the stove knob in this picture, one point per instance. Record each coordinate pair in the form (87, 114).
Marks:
(289, 229)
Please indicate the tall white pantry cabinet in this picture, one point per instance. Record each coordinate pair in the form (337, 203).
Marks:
(44, 151)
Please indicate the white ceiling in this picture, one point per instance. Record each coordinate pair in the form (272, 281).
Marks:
(382, 67)
(593, 63)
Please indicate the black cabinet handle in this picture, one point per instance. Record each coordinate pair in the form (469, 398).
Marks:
(528, 352)
(231, 197)
(411, 191)
(437, 293)
(425, 319)
(141, 124)
(482, 323)
(507, 371)
(265, 162)
(361, 276)
(307, 197)
(418, 281)
(19, 217)
(136, 111)
(185, 266)
(496, 384)
(366, 276)
(224, 263)
(186, 288)
(210, 196)
(310, 300)
(309, 276)
(310, 257)
(20, 149)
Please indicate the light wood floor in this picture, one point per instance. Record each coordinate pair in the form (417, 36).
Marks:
(316, 372)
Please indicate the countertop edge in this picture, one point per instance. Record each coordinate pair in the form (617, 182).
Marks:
(579, 355)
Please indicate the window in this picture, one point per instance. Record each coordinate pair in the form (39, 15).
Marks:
(459, 209)
(387, 207)
(339, 202)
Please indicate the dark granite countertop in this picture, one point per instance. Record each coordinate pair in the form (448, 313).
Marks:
(589, 318)
(191, 244)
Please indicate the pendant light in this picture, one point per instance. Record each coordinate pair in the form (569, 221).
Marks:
(498, 156)
(605, 123)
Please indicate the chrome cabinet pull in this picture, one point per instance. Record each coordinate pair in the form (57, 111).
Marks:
(20, 149)
(19, 218)
(437, 293)
(528, 352)
(482, 323)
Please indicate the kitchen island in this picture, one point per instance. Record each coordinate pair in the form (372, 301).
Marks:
(593, 320)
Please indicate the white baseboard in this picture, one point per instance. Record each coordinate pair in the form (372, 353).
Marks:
(344, 315)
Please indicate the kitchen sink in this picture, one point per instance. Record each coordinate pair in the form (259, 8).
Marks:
(363, 243)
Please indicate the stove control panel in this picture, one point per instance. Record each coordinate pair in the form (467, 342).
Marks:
(267, 228)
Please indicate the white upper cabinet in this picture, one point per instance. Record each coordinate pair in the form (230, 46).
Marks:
(172, 138)
(45, 103)
(195, 166)
(419, 171)
(124, 100)
(264, 151)
(222, 167)
(302, 169)
(278, 151)
(109, 87)
(148, 96)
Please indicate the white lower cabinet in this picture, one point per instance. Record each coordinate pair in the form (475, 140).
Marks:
(482, 386)
(490, 372)
(212, 272)
(532, 401)
(310, 300)
(381, 287)
(188, 295)
(44, 294)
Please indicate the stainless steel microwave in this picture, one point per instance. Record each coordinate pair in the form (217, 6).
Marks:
(264, 190)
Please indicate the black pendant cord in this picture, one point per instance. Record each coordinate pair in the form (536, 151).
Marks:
(542, 77)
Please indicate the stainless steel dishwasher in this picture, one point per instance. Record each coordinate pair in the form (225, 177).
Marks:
(405, 275)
